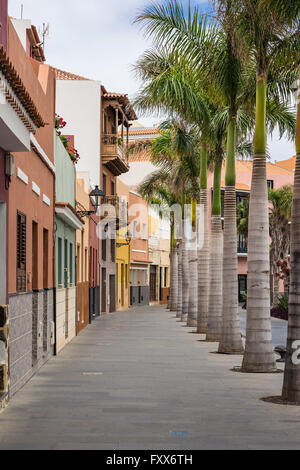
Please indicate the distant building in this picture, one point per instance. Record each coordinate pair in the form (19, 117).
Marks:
(139, 250)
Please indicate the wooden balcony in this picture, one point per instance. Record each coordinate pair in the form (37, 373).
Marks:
(114, 154)
(121, 211)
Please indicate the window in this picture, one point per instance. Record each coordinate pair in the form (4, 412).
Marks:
(45, 258)
(86, 264)
(270, 184)
(144, 232)
(105, 123)
(103, 243)
(104, 179)
(112, 187)
(59, 259)
(126, 275)
(166, 277)
(35, 253)
(66, 272)
(113, 249)
(135, 224)
(71, 263)
(21, 252)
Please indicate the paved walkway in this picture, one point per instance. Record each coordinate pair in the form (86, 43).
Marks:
(139, 380)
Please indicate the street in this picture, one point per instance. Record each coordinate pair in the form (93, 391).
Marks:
(138, 379)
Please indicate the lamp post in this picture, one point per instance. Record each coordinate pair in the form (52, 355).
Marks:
(95, 196)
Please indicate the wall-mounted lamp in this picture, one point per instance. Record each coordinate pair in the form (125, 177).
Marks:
(95, 196)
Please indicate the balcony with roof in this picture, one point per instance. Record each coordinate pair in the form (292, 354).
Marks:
(116, 121)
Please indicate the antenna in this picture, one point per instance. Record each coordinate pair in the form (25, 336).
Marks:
(44, 32)
(22, 9)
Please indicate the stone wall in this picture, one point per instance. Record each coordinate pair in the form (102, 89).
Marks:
(65, 316)
(30, 347)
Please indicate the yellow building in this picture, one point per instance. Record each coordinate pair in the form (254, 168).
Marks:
(123, 256)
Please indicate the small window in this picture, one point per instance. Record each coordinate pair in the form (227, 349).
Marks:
(103, 243)
(270, 184)
(166, 276)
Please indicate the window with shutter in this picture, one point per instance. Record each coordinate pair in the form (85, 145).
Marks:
(21, 252)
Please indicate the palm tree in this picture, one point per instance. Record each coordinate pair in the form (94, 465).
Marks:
(175, 152)
(206, 55)
(261, 29)
(280, 216)
(214, 322)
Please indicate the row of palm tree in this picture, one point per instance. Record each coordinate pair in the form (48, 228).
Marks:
(220, 81)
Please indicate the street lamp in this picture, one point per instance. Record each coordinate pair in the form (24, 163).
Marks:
(95, 196)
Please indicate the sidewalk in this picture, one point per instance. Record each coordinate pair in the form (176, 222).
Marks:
(138, 380)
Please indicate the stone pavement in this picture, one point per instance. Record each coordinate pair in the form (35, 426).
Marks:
(138, 379)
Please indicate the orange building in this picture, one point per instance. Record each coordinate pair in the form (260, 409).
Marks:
(31, 273)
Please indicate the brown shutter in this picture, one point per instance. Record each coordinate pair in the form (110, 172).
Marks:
(21, 252)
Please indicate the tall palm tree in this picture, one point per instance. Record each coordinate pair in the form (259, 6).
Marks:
(280, 216)
(208, 51)
(175, 152)
(263, 33)
(214, 322)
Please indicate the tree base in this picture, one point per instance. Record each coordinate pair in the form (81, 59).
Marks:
(243, 371)
(280, 401)
(231, 353)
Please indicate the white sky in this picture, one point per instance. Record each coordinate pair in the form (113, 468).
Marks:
(96, 39)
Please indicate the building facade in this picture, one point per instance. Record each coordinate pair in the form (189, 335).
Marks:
(31, 211)
(66, 223)
(139, 250)
(82, 257)
(116, 118)
(123, 252)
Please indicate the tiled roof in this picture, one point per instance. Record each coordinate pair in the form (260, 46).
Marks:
(123, 99)
(241, 186)
(63, 75)
(146, 131)
(19, 89)
(272, 168)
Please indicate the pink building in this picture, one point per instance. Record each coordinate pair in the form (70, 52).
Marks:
(278, 174)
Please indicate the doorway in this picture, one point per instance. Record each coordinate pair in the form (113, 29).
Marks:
(112, 293)
(103, 290)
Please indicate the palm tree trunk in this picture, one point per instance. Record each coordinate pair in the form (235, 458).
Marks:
(174, 271)
(214, 323)
(193, 288)
(203, 251)
(185, 277)
(291, 382)
(179, 291)
(259, 355)
(230, 341)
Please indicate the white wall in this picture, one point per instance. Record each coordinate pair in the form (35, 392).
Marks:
(78, 102)
(20, 27)
(137, 173)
